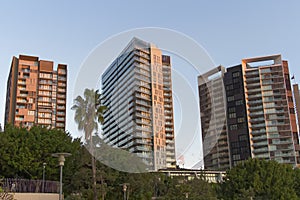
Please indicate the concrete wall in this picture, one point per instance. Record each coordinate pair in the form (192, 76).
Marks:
(36, 196)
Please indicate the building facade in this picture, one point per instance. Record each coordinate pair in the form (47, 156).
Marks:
(36, 94)
(213, 119)
(237, 121)
(260, 114)
(297, 106)
(137, 89)
(270, 109)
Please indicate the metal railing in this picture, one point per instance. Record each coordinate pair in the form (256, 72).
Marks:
(16, 185)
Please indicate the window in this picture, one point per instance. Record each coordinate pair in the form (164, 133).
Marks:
(232, 115)
(20, 118)
(231, 109)
(236, 157)
(30, 112)
(265, 70)
(241, 126)
(240, 119)
(239, 102)
(229, 87)
(244, 150)
(243, 138)
(234, 145)
(235, 151)
(235, 74)
(233, 127)
(230, 98)
(236, 80)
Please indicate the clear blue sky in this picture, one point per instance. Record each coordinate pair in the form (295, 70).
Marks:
(66, 31)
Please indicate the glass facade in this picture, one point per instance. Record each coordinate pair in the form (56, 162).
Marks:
(138, 93)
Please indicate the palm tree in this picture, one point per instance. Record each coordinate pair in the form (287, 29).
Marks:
(88, 113)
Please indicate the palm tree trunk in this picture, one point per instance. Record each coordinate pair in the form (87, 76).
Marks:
(102, 188)
(94, 170)
(94, 178)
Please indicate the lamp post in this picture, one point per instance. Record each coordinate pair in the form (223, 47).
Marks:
(61, 161)
(186, 195)
(125, 192)
(43, 186)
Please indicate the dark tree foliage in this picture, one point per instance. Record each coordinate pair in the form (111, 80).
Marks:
(24, 151)
(260, 179)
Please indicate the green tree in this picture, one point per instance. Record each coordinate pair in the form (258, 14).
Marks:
(259, 179)
(88, 113)
(24, 151)
(297, 181)
(196, 189)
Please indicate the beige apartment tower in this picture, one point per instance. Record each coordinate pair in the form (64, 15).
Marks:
(270, 109)
(255, 116)
(36, 94)
(297, 106)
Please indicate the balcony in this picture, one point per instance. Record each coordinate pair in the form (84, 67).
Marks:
(60, 84)
(259, 144)
(61, 96)
(61, 113)
(144, 103)
(256, 114)
(60, 125)
(61, 107)
(21, 82)
(21, 101)
(256, 90)
(142, 96)
(258, 132)
(139, 141)
(260, 107)
(260, 119)
(252, 79)
(255, 102)
(255, 126)
(263, 137)
(265, 155)
(253, 85)
(140, 128)
(254, 96)
(61, 102)
(60, 119)
(142, 148)
(261, 150)
(252, 73)
(283, 154)
(169, 129)
(61, 90)
(61, 78)
(61, 71)
(142, 135)
(46, 82)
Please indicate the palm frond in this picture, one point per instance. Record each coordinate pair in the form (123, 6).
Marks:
(89, 111)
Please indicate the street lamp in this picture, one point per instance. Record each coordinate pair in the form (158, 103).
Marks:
(43, 186)
(61, 161)
(186, 195)
(125, 187)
